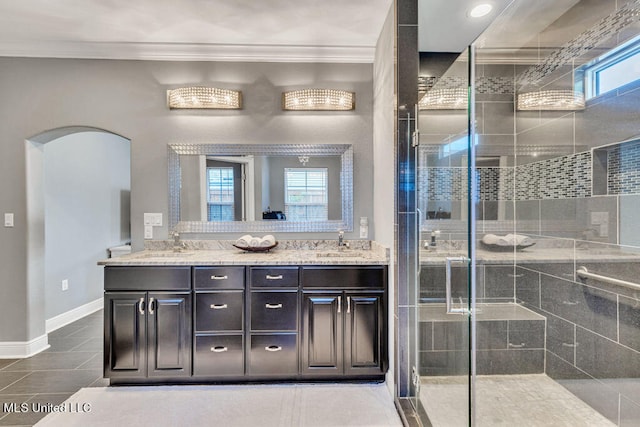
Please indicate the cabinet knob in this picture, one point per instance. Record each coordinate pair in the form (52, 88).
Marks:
(219, 349)
(273, 348)
(218, 306)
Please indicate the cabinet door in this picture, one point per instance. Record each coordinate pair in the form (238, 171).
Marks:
(169, 334)
(125, 342)
(364, 334)
(322, 334)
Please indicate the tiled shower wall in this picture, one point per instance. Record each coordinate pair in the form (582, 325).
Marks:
(558, 178)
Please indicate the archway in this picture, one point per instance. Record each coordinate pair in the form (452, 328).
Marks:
(78, 185)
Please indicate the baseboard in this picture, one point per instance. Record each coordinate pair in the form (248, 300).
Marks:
(22, 349)
(71, 316)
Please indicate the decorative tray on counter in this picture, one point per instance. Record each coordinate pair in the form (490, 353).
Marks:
(505, 248)
(257, 248)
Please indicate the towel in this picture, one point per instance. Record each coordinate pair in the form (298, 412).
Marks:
(244, 241)
(268, 240)
(255, 242)
(507, 240)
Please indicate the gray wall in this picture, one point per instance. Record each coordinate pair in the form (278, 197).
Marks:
(382, 225)
(86, 189)
(129, 98)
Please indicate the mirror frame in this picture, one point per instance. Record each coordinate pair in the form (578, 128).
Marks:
(345, 151)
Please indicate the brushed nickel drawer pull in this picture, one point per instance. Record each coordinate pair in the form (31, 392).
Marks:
(141, 306)
(570, 345)
(348, 305)
(339, 303)
(219, 277)
(218, 306)
(273, 305)
(278, 277)
(570, 302)
(219, 349)
(515, 275)
(521, 345)
(273, 348)
(151, 305)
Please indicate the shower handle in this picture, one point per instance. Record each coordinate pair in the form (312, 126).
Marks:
(450, 309)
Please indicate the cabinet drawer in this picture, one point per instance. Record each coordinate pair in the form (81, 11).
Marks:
(138, 278)
(273, 277)
(219, 311)
(218, 278)
(274, 311)
(273, 354)
(219, 355)
(344, 277)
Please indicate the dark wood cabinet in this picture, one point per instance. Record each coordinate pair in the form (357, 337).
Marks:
(184, 324)
(147, 334)
(322, 331)
(219, 316)
(343, 332)
(273, 322)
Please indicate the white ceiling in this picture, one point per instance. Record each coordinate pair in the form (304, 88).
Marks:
(275, 30)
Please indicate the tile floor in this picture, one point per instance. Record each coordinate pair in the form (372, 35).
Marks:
(507, 400)
(73, 361)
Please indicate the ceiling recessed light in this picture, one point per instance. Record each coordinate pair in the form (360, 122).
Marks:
(480, 10)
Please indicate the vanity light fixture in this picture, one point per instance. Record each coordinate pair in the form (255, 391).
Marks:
(444, 99)
(551, 100)
(318, 100)
(201, 97)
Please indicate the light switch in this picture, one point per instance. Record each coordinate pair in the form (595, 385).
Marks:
(8, 220)
(148, 231)
(154, 219)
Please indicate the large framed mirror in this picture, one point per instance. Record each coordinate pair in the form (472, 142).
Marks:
(220, 188)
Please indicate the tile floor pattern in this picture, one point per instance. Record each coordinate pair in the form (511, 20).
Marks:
(263, 405)
(73, 361)
(508, 400)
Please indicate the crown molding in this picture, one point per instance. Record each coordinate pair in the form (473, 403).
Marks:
(187, 52)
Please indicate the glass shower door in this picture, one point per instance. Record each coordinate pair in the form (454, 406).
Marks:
(444, 160)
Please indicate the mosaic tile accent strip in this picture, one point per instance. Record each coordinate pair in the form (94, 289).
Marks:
(557, 178)
(450, 184)
(623, 169)
(484, 85)
(587, 40)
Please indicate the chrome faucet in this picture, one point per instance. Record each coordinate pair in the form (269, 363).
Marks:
(178, 246)
(341, 243)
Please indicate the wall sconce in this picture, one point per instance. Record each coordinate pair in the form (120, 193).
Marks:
(318, 100)
(204, 98)
(550, 100)
(444, 99)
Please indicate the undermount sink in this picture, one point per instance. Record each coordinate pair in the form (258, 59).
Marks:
(338, 254)
(166, 254)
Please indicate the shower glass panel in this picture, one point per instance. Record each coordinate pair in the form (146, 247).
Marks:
(444, 312)
(543, 202)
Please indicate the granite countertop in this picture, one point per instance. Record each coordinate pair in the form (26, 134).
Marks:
(314, 252)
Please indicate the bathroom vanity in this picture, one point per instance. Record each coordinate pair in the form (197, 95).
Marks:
(209, 316)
